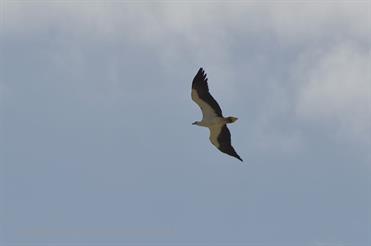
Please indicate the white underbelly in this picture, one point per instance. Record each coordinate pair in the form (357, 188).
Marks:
(211, 122)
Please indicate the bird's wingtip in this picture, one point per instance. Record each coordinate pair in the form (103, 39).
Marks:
(238, 157)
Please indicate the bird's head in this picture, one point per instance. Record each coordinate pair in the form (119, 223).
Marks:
(195, 123)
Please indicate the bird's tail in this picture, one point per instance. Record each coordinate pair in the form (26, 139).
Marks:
(231, 119)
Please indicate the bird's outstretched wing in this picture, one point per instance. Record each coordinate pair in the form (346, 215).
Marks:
(220, 137)
(200, 94)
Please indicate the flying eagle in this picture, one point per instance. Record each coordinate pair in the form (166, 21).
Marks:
(212, 116)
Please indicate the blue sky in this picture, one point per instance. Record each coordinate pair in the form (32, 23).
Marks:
(97, 146)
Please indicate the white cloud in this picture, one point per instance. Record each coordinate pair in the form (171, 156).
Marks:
(314, 21)
(332, 85)
(336, 89)
(154, 23)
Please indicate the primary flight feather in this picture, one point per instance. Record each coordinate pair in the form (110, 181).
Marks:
(212, 116)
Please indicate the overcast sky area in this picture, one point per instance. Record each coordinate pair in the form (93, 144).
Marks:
(96, 141)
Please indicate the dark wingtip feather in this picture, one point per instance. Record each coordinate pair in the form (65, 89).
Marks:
(229, 150)
(200, 80)
(236, 156)
(201, 72)
(225, 145)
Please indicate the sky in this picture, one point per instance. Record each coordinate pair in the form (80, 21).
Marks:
(96, 141)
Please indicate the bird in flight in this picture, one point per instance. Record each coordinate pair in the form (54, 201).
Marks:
(212, 116)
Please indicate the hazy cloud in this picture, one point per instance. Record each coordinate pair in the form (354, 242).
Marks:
(336, 89)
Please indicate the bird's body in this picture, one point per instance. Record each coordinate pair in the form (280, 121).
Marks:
(212, 116)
